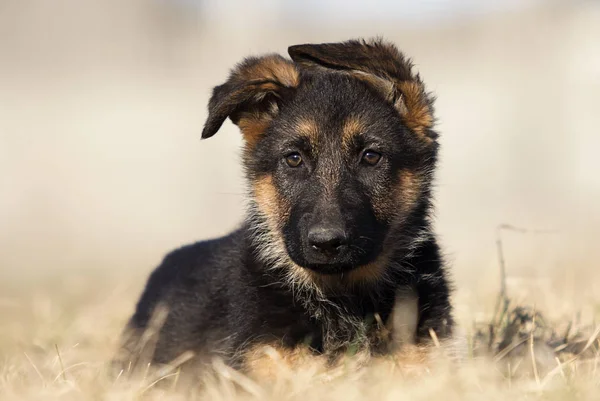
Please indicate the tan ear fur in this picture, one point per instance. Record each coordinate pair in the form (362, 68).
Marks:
(384, 67)
(249, 97)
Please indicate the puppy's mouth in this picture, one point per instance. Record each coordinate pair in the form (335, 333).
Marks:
(343, 260)
(331, 269)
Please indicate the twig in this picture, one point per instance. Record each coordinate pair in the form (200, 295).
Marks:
(35, 368)
(71, 368)
(149, 386)
(522, 230)
(502, 302)
(592, 340)
(532, 350)
(502, 265)
(567, 332)
(242, 380)
(62, 366)
(435, 338)
(560, 368)
(177, 374)
(596, 359)
(508, 349)
(175, 364)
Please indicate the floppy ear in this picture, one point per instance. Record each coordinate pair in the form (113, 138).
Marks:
(381, 65)
(251, 94)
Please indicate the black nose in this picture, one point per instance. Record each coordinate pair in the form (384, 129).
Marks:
(326, 239)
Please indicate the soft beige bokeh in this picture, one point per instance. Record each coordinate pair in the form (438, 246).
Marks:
(102, 171)
(102, 104)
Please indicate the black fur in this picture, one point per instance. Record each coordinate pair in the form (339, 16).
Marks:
(226, 295)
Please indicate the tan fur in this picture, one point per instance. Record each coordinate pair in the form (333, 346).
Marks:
(272, 67)
(309, 130)
(267, 362)
(368, 273)
(384, 86)
(403, 198)
(360, 275)
(387, 70)
(415, 110)
(384, 207)
(409, 190)
(413, 360)
(276, 211)
(352, 127)
(267, 76)
(270, 202)
(412, 104)
(253, 126)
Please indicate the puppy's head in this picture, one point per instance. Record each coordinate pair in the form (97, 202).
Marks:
(339, 147)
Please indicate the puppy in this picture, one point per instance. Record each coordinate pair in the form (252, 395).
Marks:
(336, 251)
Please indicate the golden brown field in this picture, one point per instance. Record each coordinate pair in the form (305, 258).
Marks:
(57, 335)
(102, 172)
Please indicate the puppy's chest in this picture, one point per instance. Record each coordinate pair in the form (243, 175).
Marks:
(327, 326)
(354, 326)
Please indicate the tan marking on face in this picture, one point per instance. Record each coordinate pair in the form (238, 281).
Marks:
(266, 362)
(276, 211)
(413, 105)
(369, 273)
(308, 129)
(353, 126)
(398, 204)
(402, 198)
(271, 204)
(359, 276)
(409, 191)
(414, 108)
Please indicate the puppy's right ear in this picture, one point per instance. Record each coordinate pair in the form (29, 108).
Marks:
(251, 95)
(384, 67)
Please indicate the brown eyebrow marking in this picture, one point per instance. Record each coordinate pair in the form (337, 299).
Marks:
(308, 129)
(352, 127)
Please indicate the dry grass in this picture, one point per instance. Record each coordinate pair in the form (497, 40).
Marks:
(57, 335)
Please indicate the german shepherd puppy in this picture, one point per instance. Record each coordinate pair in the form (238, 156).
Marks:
(339, 154)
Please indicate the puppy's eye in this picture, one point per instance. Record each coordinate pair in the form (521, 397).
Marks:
(371, 157)
(293, 159)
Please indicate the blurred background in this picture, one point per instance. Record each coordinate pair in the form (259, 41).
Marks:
(102, 104)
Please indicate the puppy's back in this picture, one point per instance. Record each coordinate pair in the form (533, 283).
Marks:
(186, 291)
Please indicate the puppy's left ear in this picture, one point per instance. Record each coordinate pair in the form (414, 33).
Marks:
(381, 65)
(251, 95)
